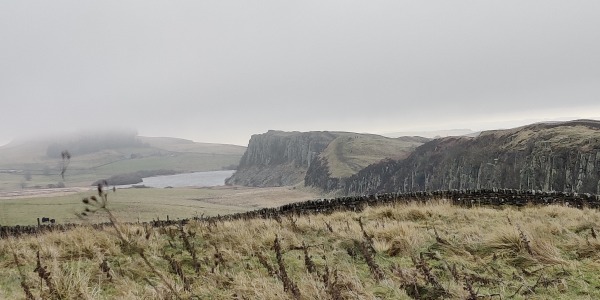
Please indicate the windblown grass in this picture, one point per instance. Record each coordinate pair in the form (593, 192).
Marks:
(432, 251)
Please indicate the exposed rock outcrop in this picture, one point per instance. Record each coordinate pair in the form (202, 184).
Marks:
(278, 158)
(561, 156)
(548, 157)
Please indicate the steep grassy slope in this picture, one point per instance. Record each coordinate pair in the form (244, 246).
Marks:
(350, 153)
(408, 251)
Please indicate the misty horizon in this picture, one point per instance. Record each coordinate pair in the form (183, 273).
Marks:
(218, 72)
(426, 132)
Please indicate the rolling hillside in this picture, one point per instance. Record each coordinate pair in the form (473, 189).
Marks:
(38, 163)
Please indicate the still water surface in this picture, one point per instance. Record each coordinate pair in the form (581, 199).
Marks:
(196, 179)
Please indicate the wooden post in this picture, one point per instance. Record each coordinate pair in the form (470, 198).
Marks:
(38, 219)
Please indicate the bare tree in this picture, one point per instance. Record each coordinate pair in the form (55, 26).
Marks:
(66, 159)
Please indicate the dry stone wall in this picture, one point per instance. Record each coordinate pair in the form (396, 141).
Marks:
(465, 198)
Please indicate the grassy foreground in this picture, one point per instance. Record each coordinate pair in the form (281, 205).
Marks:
(433, 251)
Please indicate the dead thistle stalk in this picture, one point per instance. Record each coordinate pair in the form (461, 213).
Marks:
(44, 275)
(22, 277)
(288, 285)
(100, 203)
(189, 246)
(525, 240)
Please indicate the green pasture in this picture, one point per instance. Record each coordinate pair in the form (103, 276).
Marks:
(176, 161)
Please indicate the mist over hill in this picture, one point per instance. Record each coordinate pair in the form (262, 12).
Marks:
(90, 143)
(102, 154)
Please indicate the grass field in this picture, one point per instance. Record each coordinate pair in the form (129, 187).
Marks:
(131, 205)
(402, 251)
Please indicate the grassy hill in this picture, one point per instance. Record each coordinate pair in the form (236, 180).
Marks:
(93, 159)
(350, 153)
(401, 251)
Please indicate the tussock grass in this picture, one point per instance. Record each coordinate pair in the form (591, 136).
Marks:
(402, 251)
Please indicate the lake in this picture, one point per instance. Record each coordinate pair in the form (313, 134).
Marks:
(195, 179)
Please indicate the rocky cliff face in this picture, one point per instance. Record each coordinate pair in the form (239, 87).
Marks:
(548, 157)
(279, 158)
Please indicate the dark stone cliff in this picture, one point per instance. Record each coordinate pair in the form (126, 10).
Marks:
(562, 156)
(548, 157)
(279, 158)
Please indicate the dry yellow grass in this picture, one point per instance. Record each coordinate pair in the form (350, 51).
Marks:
(429, 251)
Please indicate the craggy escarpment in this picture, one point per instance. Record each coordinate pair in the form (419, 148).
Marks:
(278, 158)
(348, 155)
(548, 157)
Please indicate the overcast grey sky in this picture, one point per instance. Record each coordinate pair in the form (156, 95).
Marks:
(220, 71)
